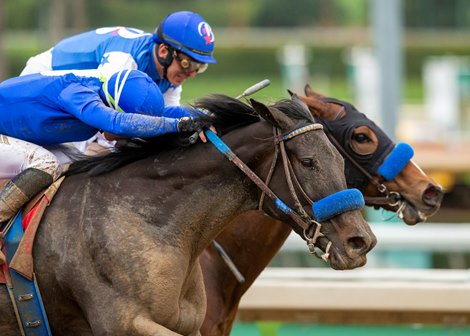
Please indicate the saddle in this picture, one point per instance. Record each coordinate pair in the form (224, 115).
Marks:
(22, 261)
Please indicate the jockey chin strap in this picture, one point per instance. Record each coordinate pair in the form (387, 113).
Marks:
(391, 198)
(311, 228)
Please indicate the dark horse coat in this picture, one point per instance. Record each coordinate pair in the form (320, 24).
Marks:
(117, 252)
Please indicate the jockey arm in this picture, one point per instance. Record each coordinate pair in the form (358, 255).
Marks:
(86, 105)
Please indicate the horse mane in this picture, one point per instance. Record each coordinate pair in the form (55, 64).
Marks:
(223, 112)
(295, 109)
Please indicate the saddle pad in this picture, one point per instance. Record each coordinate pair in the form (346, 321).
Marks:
(22, 261)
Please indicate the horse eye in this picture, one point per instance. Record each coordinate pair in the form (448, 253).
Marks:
(361, 138)
(308, 163)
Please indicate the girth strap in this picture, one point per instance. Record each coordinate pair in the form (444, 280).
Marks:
(23, 292)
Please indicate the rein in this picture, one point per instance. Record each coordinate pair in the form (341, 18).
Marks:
(311, 228)
(391, 198)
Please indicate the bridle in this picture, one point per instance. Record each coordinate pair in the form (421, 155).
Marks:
(313, 231)
(310, 226)
(390, 198)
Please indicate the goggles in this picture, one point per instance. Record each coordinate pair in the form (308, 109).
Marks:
(187, 64)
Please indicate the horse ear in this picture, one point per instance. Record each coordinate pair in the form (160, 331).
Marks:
(271, 115)
(321, 109)
(309, 92)
(264, 112)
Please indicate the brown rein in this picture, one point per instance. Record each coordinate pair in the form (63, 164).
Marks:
(311, 228)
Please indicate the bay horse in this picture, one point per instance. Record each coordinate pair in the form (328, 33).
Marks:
(117, 250)
(252, 239)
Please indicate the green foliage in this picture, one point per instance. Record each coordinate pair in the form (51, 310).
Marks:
(33, 14)
(232, 86)
(24, 14)
(17, 59)
(353, 13)
(281, 13)
(146, 14)
(232, 61)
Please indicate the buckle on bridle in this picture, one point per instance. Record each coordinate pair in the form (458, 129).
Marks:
(311, 241)
(394, 198)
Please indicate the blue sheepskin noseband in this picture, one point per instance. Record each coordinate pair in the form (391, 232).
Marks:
(396, 161)
(337, 203)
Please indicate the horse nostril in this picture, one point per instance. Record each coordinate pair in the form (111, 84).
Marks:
(357, 243)
(432, 196)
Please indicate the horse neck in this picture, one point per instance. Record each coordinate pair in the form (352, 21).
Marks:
(253, 233)
(203, 191)
(251, 240)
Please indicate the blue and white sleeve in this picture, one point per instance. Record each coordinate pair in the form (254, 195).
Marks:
(86, 105)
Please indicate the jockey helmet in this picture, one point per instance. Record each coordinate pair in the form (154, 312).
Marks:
(132, 91)
(189, 33)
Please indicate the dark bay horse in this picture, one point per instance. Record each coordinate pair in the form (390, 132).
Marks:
(117, 251)
(253, 239)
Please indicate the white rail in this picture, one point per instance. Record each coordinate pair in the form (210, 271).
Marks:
(360, 296)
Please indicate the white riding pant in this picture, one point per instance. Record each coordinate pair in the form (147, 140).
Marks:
(17, 155)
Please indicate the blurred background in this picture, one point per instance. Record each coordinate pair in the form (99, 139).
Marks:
(405, 64)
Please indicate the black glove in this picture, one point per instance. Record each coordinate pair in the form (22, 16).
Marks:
(188, 124)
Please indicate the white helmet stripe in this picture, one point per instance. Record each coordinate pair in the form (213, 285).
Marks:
(119, 86)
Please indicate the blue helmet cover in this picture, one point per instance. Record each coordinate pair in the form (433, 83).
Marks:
(188, 32)
(135, 91)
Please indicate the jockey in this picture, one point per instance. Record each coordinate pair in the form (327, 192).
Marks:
(41, 110)
(181, 47)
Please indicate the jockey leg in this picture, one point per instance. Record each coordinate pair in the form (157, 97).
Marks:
(35, 169)
(21, 189)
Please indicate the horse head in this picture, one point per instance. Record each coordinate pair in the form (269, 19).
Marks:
(369, 154)
(313, 169)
